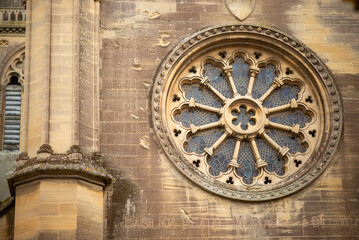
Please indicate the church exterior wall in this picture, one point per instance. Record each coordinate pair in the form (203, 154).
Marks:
(149, 198)
(152, 199)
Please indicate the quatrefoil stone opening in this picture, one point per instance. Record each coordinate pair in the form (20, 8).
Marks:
(244, 116)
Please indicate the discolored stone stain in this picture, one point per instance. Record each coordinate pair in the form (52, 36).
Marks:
(153, 189)
(144, 142)
(119, 203)
(163, 39)
(136, 65)
(326, 29)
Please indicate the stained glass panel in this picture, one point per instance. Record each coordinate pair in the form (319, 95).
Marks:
(274, 162)
(288, 140)
(291, 118)
(198, 142)
(201, 95)
(281, 96)
(247, 164)
(240, 75)
(243, 118)
(196, 117)
(263, 81)
(222, 156)
(218, 80)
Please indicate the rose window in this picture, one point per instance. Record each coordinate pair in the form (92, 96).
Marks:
(245, 113)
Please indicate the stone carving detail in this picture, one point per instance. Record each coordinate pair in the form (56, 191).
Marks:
(15, 68)
(239, 114)
(12, 21)
(4, 42)
(77, 163)
(241, 8)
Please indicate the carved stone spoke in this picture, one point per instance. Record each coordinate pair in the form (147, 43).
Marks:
(205, 81)
(228, 71)
(195, 129)
(259, 162)
(282, 150)
(210, 150)
(291, 105)
(193, 104)
(277, 83)
(233, 162)
(294, 129)
(253, 72)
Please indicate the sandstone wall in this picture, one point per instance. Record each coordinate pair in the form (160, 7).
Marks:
(151, 199)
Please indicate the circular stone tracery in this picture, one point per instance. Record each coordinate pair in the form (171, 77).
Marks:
(242, 112)
(244, 116)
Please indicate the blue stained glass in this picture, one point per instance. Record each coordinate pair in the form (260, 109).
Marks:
(281, 96)
(218, 80)
(290, 118)
(247, 164)
(196, 117)
(274, 162)
(202, 139)
(221, 157)
(201, 95)
(263, 81)
(240, 75)
(288, 140)
(243, 118)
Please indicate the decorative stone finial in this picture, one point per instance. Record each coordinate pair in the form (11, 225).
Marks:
(75, 153)
(97, 158)
(21, 159)
(44, 152)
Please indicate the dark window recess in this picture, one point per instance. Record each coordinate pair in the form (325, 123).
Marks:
(12, 16)
(12, 115)
(5, 16)
(19, 17)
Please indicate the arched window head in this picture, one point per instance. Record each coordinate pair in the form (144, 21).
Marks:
(246, 112)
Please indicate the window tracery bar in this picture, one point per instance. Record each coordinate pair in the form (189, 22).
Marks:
(291, 105)
(259, 162)
(228, 71)
(194, 128)
(205, 81)
(282, 150)
(193, 103)
(210, 150)
(253, 72)
(276, 84)
(233, 162)
(294, 129)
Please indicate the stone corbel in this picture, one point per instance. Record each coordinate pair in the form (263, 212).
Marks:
(47, 165)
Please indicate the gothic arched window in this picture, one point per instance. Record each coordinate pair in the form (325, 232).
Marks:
(246, 112)
(11, 91)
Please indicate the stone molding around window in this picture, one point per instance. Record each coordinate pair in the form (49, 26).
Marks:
(11, 69)
(246, 112)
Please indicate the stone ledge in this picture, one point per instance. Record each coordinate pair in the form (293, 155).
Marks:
(12, 30)
(6, 205)
(76, 164)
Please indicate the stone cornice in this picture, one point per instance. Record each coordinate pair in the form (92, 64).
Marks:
(76, 164)
(12, 30)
